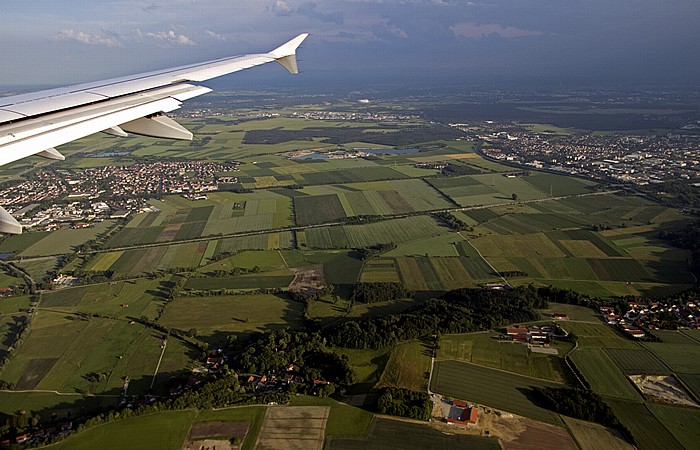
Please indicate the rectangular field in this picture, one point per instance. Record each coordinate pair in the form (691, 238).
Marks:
(647, 431)
(490, 387)
(389, 231)
(601, 373)
(682, 358)
(682, 423)
(312, 210)
(636, 362)
(386, 433)
(232, 314)
(486, 350)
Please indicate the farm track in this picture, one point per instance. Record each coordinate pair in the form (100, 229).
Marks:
(66, 394)
(333, 224)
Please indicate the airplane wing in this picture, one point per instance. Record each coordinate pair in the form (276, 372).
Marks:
(33, 124)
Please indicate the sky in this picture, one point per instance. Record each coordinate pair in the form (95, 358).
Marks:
(431, 42)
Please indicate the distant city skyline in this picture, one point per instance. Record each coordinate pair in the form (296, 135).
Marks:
(419, 41)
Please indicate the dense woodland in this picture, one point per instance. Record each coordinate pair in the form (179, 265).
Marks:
(404, 403)
(459, 311)
(452, 222)
(379, 292)
(581, 404)
(275, 351)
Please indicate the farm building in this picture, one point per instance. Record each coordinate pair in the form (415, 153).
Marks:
(462, 414)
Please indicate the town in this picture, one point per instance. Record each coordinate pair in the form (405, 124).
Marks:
(636, 159)
(113, 191)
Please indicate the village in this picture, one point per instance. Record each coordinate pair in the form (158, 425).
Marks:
(652, 315)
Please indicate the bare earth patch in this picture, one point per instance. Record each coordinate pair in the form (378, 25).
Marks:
(216, 435)
(293, 427)
(307, 279)
(513, 432)
(663, 387)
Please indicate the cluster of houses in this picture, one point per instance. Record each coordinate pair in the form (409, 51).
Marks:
(278, 381)
(651, 316)
(39, 435)
(614, 319)
(270, 382)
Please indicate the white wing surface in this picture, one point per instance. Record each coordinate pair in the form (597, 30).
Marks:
(33, 124)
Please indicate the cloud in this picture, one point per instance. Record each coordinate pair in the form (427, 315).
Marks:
(281, 8)
(396, 31)
(471, 30)
(166, 37)
(90, 39)
(214, 35)
(309, 10)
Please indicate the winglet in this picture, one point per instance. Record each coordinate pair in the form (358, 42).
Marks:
(9, 224)
(285, 54)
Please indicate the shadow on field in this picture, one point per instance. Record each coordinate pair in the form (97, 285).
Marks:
(531, 394)
(77, 409)
(163, 291)
(12, 329)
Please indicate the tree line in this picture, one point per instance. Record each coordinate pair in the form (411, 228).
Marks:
(379, 292)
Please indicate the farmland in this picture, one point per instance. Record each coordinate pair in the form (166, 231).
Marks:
(54, 348)
(603, 375)
(648, 432)
(213, 316)
(495, 388)
(136, 432)
(591, 436)
(408, 366)
(294, 217)
(486, 350)
(387, 433)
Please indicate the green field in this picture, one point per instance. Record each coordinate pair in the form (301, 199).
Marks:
(682, 423)
(408, 366)
(85, 331)
(367, 364)
(119, 299)
(598, 335)
(389, 231)
(647, 431)
(491, 387)
(388, 433)
(50, 403)
(58, 242)
(214, 316)
(682, 358)
(223, 213)
(312, 210)
(54, 356)
(136, 432)
(591, 436)
(635, 362)
(601, 373)
(485, 349)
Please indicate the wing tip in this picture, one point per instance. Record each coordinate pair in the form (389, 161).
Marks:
(285, 54)
(289, 48)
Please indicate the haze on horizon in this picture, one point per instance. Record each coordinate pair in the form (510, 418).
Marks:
(430, 42)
